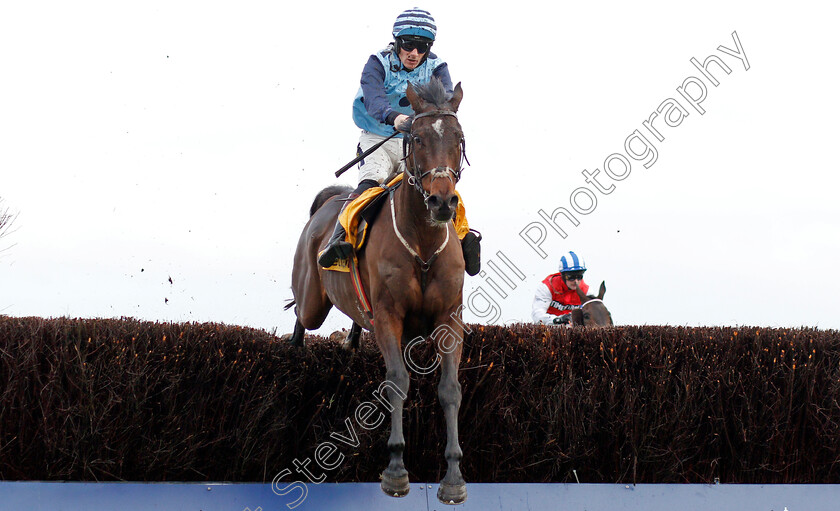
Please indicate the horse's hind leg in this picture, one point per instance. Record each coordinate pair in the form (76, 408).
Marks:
(310, 313)
(297, 338)
(352, 341)
(312, 305)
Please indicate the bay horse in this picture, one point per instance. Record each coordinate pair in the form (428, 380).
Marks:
(592, 312)
(412, 270)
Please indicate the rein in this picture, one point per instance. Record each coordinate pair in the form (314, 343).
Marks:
(594, 300)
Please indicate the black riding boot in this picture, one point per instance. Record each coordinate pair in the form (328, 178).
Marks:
(471, 247)
(337, 248)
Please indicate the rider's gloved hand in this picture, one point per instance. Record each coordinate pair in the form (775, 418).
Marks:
(403, 123)
(562, 320)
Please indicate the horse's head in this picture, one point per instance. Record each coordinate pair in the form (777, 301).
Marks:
(435, 147)
(592, 311)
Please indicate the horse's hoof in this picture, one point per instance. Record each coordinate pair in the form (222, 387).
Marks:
(452, 493)
(395, 486)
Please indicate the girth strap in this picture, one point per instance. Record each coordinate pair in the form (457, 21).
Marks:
(360, 288)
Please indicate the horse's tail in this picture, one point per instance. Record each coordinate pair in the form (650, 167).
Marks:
(289, 304)
(325, 194)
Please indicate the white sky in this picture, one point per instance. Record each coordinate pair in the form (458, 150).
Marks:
(146, 141)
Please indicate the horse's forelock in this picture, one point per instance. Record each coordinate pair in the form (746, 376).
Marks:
(433, 92)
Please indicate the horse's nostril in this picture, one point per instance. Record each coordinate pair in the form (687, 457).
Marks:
(433, 201)
(453, 202)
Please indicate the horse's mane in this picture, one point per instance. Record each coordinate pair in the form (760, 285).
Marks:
(432, 92)
(325, 194)
(392, 175)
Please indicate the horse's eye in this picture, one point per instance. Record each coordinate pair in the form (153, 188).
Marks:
(416, 139)
(586, 316)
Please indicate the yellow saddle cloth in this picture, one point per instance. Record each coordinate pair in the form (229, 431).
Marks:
(356, 227)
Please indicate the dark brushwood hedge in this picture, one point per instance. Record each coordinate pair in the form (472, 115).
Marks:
(85, 399)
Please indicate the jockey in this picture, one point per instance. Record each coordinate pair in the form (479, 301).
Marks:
(381, 106)
(557, 296)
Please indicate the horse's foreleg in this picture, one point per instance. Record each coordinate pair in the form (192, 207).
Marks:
(388, 334)
(453, 488)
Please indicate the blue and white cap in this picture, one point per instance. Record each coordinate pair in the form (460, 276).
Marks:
(572, 262)
(416, 22)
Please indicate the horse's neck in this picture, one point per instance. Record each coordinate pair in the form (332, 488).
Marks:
(412, 219)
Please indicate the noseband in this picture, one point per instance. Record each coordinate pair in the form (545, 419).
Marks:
(415, 175)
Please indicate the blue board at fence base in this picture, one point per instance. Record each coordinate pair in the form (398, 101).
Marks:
(71, 496)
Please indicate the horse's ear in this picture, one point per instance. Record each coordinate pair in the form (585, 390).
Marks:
(413, 98)
(602, 290)
(582, 295)
(457, 96)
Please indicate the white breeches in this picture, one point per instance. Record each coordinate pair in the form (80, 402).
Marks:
(382, 162)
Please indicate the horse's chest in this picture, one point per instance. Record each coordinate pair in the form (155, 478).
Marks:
(414, 291)
(417, 296)
(438, 298)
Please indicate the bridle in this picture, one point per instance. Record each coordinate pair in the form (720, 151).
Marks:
(415, 178)
(594, 300)
(415, 175)
(584, 304)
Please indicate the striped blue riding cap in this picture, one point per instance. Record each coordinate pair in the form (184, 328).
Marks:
(415, 22)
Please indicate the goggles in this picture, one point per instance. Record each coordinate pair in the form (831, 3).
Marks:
(573, 276)
(410, 45)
